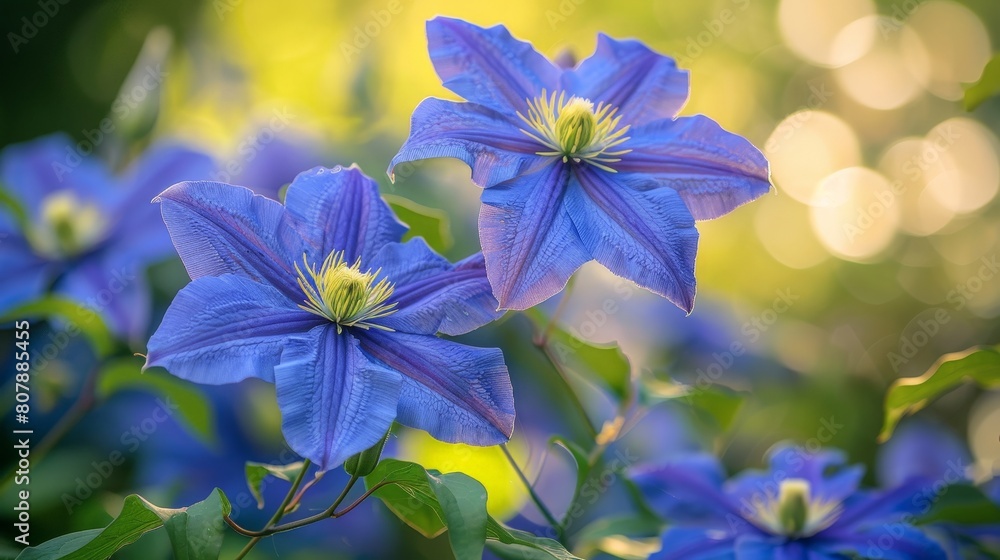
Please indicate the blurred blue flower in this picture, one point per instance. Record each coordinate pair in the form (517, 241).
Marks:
(319, 297)
(580, 163)
(923, 448)
(807, 505)
(73, 228)
(267, 166)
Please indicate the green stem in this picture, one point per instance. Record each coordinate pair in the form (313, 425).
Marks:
(574, 397)
(534, 496)
(278, 513)
(541, 341)
(543, 337)
(326, 514)
(602, 441)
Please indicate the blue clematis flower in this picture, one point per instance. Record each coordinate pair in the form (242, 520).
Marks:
(73, 228)
(580, 163)
(320, 297)
(807, 506)
(923, 448)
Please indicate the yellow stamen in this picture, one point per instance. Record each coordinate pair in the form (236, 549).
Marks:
(795, 512)
(573, 129)
(344, 294)
(67, 225)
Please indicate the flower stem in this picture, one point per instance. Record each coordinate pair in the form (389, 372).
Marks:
(534, 496)
(277, 514)
(573, 396)
(543, 337)
(330, 512)
(541, 341)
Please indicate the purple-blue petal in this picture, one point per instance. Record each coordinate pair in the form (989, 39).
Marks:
(646, 236)
(276, 163)
(885, 540)
(340, 209)
(139, 230)
(490, 143)
(826, 471)
(921, 448)
(688, 491)
(113, 287)
(684, 543)
(223, 329)
(911, 498)
(457, 393)
(714, 170)
(18, 260)
(33, 170)
(530, 243)
(433, 295)
(224, 229)
(761, 547)
(334, 401)
(644, 85)
(487, 65)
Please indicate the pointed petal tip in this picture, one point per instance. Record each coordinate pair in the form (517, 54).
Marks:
(169, 191)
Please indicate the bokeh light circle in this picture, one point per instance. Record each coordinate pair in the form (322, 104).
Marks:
(827, 33)
(855, 213)
(807, 146)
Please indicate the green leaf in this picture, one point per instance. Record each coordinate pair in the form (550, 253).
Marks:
(178, 395)
(410, 496)
(196, 532)
(963, 504)
(362, 464)
(463, 502)
(432, 503)
(582, 464)
(257, 472)
(430, 223)
(987, 86)
(909, 395)
(601, 363)
(134, 520)
(79, 319)
(717, 404)
(512, 544)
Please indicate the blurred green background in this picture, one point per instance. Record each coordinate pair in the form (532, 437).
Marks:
(876, 253)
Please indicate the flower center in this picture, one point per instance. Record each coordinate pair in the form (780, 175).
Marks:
(574, 129)
(794, 512)
(344, 294)
(67, 226)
